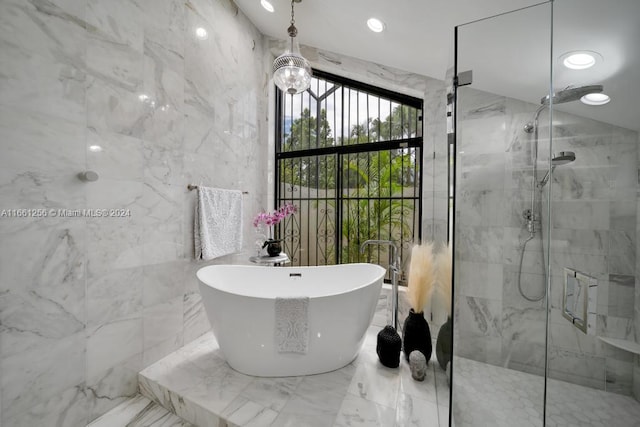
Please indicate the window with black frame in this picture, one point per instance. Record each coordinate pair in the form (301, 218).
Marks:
(349, 156)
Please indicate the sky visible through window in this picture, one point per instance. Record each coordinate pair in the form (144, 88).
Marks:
(362, 106)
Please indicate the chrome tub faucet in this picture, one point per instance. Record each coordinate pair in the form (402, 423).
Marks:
(394, 267)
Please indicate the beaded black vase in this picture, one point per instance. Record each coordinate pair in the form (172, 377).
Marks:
(388, 347)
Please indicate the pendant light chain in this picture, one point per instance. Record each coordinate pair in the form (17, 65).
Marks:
(293, 21)
(292, 30)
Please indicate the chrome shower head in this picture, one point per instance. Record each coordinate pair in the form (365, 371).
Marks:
(562, 158)
(559, 159)
(571, 94)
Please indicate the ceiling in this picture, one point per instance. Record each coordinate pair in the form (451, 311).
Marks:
(509, 55)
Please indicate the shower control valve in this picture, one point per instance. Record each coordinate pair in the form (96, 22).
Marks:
(531, 220)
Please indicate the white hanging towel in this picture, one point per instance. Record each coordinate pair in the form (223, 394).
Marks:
(218, 223)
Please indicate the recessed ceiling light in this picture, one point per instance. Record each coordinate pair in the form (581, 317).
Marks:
(595, 99)
(375, 25)
(267, 5)
(580, 59)
(95, 148)
(201, 33)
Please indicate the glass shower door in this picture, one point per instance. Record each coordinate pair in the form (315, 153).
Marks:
(500, 250)
(594, 329)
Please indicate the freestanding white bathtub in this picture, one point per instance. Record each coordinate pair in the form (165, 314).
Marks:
(240, 304)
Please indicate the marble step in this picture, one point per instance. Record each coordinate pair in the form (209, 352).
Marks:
(139, 411)
(196, 384)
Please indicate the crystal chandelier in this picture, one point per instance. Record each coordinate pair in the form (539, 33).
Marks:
(291, 72)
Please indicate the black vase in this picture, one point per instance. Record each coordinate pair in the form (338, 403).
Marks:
(388, 347)
(273, 247)
(416, 335)
(443, 344)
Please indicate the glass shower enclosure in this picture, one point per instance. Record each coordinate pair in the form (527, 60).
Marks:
(545, 217)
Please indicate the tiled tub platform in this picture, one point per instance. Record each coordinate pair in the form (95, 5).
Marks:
(196, 384)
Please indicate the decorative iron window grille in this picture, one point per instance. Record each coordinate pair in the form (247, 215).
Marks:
(349, 155)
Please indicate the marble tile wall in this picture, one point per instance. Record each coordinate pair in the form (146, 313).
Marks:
(593, 230)
(85, 302)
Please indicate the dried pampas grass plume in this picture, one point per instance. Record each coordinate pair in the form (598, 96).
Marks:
(443, 276)
(421, 276)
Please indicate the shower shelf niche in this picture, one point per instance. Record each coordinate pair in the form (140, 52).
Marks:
(630, 346)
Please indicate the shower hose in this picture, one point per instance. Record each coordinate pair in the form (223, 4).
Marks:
(522, 250)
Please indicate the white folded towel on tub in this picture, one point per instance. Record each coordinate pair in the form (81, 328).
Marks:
(292, 325)
(217, 228)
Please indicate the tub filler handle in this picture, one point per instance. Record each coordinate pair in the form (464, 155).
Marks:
(295, 274)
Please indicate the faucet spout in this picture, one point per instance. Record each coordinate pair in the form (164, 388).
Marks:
(393, 250)
(394, 267)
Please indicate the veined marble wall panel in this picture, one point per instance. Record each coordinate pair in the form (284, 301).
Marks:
(166, 110)
(480, 244)
(43, 315)
(436, 166)
(43, 56)
(42, 291)
(480, 279)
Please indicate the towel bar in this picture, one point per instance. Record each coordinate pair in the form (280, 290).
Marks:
(192, 187)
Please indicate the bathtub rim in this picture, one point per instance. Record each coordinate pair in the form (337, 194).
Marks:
(363, 285)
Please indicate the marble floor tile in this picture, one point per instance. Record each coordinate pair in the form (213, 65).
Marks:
(316, 397)
(245, 412)
(139, 412)
(217, 391)
(272, 393)
(486, 393)
(424, 390)
(286, 419)
(376, 383)
(415, 412)
(357, 411)
(491, 394)
(443, 416)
